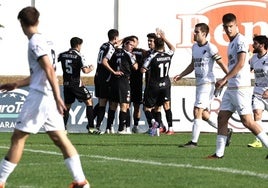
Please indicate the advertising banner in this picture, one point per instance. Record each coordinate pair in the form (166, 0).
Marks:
(176, 17)
(182, 108)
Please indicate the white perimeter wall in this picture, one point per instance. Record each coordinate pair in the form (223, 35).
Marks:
(90, 20)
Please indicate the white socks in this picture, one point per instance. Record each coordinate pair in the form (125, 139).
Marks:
(74, 165)
(220, 145)
(6, 168)
(260, 124)
(196, 129)
(212, 123)
(262, 136)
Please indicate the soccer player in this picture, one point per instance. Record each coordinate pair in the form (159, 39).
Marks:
(103, 75)
(259, 65)
(43, 107)
(156, 111)
(123, 60)
(136, 83)
(204, 55)
(237, 96)
(72, 62)
(158, 87)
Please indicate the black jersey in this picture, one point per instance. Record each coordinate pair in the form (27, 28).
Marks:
(123, 61)
(71, 62)
(147, 74)
(140, 55)
(136, 77)
(106, 51)
(159, 64)
(120, 85)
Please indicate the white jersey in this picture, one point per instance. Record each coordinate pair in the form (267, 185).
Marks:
(260, 67)
(203, 58)
(242, 78)
(37, 48)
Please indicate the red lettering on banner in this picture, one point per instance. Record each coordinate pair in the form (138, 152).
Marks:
(251, 16)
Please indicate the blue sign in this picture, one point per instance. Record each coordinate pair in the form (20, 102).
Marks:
(12, 101)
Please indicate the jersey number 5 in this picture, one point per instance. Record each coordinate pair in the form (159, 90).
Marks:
(68, 67)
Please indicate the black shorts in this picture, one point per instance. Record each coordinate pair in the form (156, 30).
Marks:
(102, 88)
(156, 96)
(136, 83)
(81, 93)
(120, 90)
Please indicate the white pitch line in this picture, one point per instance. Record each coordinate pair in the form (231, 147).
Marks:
(218, 169)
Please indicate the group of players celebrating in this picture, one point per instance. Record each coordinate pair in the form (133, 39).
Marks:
(119, 81)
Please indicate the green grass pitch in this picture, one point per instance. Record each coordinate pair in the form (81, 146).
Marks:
(141, 161)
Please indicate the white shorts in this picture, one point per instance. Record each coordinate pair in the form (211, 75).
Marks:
(259, 103)
(204, 95)
(39, 110)
(237, 100)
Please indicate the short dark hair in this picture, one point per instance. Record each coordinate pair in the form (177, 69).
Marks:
(261, 39)
(203, 27)
(229, 17)
(131, 37)
(29, 16)
(112, 33)
(127, 40)
(159, 43)
(75, 41)
(134, 37)
(151, 35)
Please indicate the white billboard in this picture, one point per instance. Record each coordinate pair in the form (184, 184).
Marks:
(90, 20)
